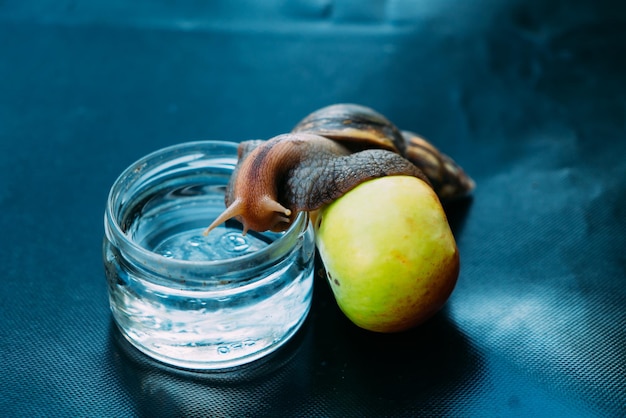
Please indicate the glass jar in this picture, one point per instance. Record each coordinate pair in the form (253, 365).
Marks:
(194, 301)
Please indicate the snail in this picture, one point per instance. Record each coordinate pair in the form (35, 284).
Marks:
(327, 154)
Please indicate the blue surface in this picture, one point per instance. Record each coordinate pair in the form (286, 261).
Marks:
(528, 96)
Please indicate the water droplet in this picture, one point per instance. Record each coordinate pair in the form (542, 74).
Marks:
(167, 254)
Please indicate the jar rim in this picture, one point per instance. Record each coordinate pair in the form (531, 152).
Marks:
(116, 234)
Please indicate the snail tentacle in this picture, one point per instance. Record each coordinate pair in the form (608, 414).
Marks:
(233, 210)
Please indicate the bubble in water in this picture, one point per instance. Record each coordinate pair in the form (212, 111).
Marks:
(192, 245)
(234, 242)
(196, 241)
(249, 343)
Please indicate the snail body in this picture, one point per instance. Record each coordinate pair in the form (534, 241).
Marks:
(327, 154)
(305, 172)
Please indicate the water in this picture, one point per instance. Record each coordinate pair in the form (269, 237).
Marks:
(222, 244)
(205, 333)
(206, 324)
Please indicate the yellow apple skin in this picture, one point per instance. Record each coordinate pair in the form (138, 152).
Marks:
(390, 256)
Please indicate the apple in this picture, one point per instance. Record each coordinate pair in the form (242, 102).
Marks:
(390, 256)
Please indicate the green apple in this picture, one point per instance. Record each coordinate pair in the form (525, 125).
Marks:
(390, 256)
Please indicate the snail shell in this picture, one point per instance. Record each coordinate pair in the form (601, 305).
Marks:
(357, 127)
(360, 127)
(446, 177)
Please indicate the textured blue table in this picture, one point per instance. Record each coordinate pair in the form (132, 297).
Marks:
(529, 96)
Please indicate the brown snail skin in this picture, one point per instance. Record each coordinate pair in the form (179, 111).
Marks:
(327, 154)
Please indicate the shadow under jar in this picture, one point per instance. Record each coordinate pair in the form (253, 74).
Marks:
(194, 301)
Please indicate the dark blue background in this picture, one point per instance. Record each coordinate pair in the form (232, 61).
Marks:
(528, 96)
